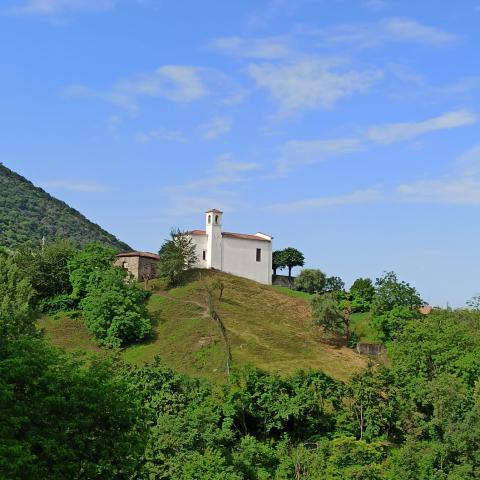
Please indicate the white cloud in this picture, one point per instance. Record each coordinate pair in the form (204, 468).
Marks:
(77, 186)
(459, 191)
(397, 132)
(375, 5)
(361, 196)
(267, 47)
(298, 153)
(215, 127)
(462, 187)
(58, 7)
(177, 83)
(161, 134)
(386, 31)
(310, 83)
(225, 171)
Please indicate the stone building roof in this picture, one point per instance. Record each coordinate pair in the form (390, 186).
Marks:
(152, 256)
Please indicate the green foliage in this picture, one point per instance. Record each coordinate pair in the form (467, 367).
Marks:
(291, 257)
(391, 323)
(389, 292)
(362, 292)
(177, 255)
(278, 261)
(16, 293)
(63, 418)
(47, 268)
(334, 284)
(27, 214)
(86, 264)
(115, 310)
(310, 280)
(332, 311)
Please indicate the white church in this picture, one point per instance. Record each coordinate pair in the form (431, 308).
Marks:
(245, 255)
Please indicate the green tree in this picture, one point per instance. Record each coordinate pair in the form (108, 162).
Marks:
(334, 284)
(310, 280)
(86, 264)
(278, 261)
(16, 293)
(292, 258)
(63, 418)
(332, 311)
(362, 292)
(390, 292)
(177, 255)
(47, 268)
(391, 323)
(115, 310)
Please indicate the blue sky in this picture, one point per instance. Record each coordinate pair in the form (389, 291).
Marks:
(347, 129)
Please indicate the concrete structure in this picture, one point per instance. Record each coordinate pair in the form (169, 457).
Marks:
(248, 256)
(142, 265)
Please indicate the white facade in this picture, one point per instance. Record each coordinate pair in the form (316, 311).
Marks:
(248, 256)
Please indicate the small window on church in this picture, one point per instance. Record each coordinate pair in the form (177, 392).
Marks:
(204, 255)
(216, 218)
(209, 219)
(259, 254)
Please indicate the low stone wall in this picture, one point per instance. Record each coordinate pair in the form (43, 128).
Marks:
(283, 281)
(370, 348)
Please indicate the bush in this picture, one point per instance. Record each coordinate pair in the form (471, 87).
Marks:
(62, 302)
(310, 280)
(114, 311)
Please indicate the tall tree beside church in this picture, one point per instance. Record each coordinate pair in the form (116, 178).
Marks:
(292, 258)
(278, 261)
(177, 254)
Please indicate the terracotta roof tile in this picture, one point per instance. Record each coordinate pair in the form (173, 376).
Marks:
(243, 236)
(153, 256)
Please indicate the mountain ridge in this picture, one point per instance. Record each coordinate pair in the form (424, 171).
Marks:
(28, 213)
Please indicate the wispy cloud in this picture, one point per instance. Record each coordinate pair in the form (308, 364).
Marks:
(60, 7)
(358, 197)
(190, 197)
(77, 186)
(461, 191)
(461, 187)
(161, 135)
(375, 5)
(386, 31)
(266, 47)
(310, 83)
(397, 132)
(177, 83)
(225, 171)
(298, 153)
(215, 127)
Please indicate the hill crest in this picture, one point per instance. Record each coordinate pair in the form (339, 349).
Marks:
(28, 213)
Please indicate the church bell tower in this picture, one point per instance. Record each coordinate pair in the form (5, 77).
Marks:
(213, 229)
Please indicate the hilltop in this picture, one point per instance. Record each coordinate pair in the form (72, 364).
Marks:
(27, 213)
(266, 328)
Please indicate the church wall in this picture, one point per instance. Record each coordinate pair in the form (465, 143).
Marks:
(200, 242)
(239, 258)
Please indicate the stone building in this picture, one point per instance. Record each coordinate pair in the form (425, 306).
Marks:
(241, 254)
(142, 265)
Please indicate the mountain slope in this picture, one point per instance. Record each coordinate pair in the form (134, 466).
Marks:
(265, 328)
(27, 213)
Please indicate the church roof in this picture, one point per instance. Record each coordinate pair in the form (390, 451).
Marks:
(243, 236)
(152, 256)
(213, 210)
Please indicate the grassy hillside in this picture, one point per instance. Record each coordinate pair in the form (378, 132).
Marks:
(27, 213)
(265, 327)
